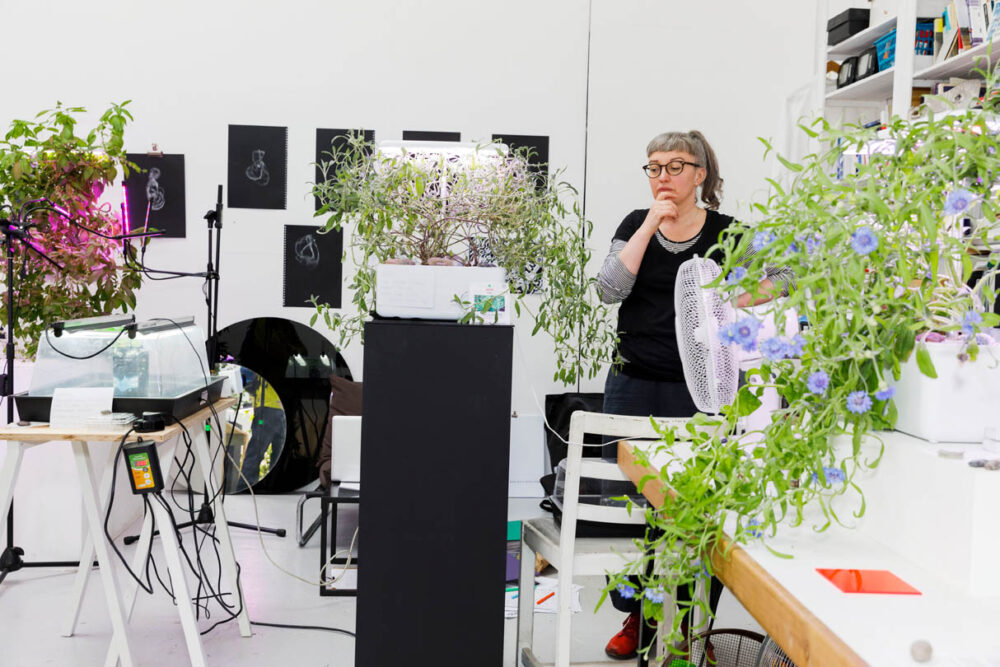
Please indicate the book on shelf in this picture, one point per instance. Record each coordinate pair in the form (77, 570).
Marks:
(949, 34)
(978, 20)
(994, 26)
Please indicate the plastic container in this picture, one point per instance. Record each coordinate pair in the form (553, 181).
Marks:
(162, 360)
(428, 292)
(163, 368)
(959, 404)
(923, 44)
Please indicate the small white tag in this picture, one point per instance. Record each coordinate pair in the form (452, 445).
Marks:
(75, 407)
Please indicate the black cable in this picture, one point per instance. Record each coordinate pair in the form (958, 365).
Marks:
(304, 627)
(89, 356)
(198, 572)
(146, 586)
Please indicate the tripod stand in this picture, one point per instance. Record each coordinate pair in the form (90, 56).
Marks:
(211, 275)
(15, 229)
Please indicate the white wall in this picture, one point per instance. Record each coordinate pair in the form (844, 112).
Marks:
(519, 67)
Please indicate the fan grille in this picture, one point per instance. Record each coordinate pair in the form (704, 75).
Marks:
(711, 369)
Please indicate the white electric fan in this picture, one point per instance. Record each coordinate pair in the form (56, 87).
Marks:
(711, 369)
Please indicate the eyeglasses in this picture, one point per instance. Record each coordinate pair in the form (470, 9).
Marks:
(674, 167)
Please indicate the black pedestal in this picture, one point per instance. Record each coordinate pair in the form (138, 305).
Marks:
(435, 443)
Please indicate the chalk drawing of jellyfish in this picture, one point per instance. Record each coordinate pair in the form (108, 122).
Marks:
(257, 171)
(307, 251)
(154, 193)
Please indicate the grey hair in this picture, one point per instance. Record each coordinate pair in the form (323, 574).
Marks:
(693, 142)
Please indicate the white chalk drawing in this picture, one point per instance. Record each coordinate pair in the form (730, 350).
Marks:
(154, 193)
(307, 251)
(257, 171)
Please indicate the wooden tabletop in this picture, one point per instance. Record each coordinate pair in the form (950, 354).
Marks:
(44, 433)
(806, 639)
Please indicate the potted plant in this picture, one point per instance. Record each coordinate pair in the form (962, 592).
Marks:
(483, 207)
(45, 159)
(884, 258)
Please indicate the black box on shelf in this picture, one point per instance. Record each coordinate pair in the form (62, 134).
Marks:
(845, 24)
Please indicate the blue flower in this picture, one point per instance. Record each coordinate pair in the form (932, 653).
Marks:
(859, 402)
(727, 334)
(752, 530)
(626, 591)
(812, 243)
(797, 346)
(745, 333)
(736, 275)
(970, 321)
(832, 475)
(818, 382)
(653, 595)
(775, 348)
(885, 394)
(957, 201)
(761, 240)
(864, 240)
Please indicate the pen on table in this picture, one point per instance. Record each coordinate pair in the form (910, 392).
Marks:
(545, 597)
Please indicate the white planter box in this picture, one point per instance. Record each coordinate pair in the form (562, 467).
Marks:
(428, 292)
(959, 404)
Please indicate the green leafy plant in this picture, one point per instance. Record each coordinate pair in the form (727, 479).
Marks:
(45, 159)
(486, 208)
(872, 227)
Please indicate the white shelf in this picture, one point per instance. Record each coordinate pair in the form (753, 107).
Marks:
(961, 65)
(875, 87)
(855, 44)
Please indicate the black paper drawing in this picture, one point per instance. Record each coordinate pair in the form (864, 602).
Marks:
(258, 166)
(325, 140)
(539, 147)
(421, 135)
(312, 266)
(156, 194)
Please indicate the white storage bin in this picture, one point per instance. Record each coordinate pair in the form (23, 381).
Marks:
(428, 292)
(959, 404)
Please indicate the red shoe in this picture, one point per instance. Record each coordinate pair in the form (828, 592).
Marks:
(624, 644)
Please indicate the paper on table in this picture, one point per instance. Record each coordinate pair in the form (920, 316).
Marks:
(543, 586)
(73, 407)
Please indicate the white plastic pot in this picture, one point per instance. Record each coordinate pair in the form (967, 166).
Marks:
(428, 292)
(959, 404)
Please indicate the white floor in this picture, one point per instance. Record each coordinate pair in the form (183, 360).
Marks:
(34, 604)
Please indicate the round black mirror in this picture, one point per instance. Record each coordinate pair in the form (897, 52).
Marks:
(255, 430)
(296, 361)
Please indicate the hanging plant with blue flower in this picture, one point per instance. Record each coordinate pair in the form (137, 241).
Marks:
(898, 252)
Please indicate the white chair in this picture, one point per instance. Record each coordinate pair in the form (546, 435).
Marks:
(569, 554)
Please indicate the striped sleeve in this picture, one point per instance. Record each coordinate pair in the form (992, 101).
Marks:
(779, 275)
(614, 282)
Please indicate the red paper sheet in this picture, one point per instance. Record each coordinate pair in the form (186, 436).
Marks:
(868, 581)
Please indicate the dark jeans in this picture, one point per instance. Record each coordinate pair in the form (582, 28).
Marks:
(626, 395)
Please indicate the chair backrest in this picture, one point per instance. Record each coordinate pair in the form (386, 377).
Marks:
(346, 436)
(617, 426)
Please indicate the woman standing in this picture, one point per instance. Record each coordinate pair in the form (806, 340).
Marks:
(646, 252)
